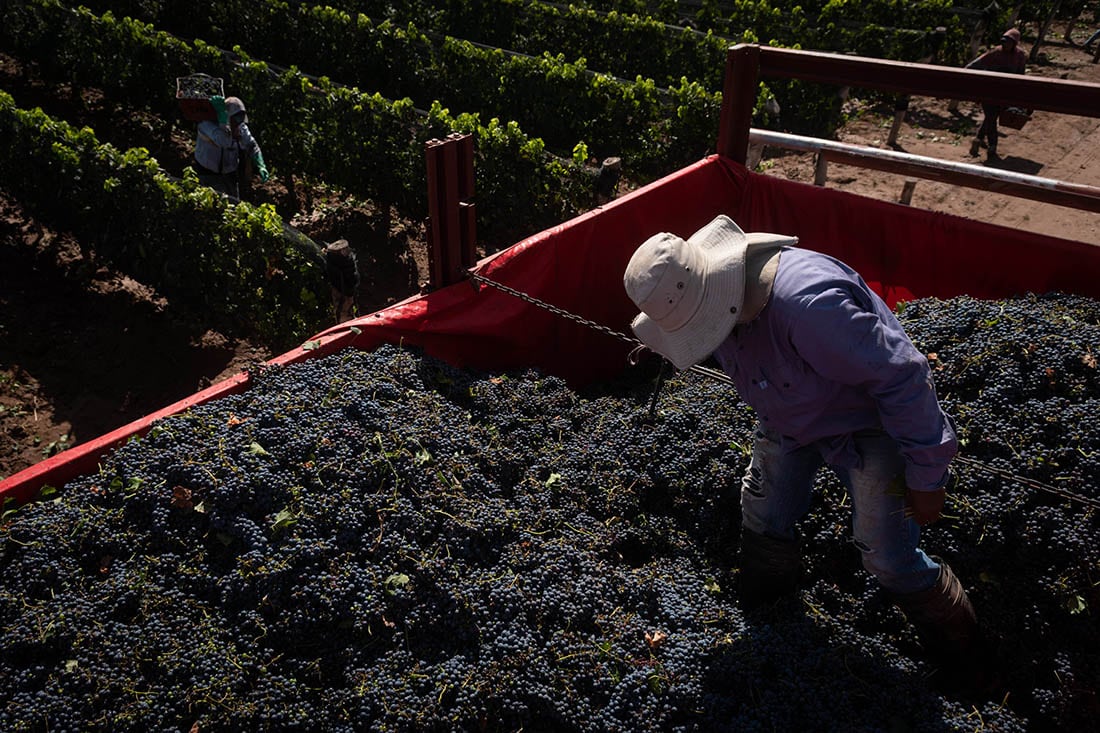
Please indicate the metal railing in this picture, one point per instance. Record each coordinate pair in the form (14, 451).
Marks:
(748, 64)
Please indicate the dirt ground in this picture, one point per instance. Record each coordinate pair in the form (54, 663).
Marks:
(84, 350)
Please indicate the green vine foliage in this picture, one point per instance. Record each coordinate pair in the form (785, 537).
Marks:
(623, 44)
(655, 103)
(630, 39)
(613, 116)
(364, 143)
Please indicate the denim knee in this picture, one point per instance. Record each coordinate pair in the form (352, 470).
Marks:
(899, 570)
(776, 488)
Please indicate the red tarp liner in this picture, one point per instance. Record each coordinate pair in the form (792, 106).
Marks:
(902, 252)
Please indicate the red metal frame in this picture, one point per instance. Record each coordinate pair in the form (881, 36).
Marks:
(452, 231)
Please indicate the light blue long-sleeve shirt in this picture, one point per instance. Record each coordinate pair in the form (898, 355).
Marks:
(217, 150)
(826, 358)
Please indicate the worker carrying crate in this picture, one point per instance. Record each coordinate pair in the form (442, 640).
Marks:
(1007, 58)
(224, 146)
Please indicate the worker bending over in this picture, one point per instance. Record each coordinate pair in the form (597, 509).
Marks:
(834, 381)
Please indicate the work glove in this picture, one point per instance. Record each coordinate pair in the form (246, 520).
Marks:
(258, 161)
(925, 507)
(218, 103)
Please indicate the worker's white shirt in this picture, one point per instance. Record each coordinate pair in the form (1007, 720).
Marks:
(218, 151)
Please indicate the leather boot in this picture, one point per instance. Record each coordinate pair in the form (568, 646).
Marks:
(770, 569)
(948, 628)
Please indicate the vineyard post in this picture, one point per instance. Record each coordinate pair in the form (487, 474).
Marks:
(821, 169)
(977, 32)
(1034, 55)
(907, 189)
(739, 92)
(901, 106)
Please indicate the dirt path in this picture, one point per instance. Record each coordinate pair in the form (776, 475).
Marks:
(1076, 160)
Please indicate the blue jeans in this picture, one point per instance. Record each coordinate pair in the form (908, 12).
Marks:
(776, 491)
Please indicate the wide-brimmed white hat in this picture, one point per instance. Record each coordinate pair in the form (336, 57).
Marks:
(691, 291)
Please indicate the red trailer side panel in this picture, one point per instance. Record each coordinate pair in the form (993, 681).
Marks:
(902, 252)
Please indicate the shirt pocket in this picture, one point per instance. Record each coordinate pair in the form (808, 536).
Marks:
(790, 384)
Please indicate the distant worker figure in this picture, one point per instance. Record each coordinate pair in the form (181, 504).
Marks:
(221, 145)
(1009, 58)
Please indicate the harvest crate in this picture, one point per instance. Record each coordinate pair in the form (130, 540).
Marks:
(193, 94)
(1014, 117)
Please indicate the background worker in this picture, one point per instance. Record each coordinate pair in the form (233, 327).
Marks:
(1008, 58)
(223, 143)
(834, 381)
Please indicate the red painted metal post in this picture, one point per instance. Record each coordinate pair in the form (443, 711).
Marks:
(436, 203)
(451, 231)
(467, 210)
(449, 215)
(738, 100)
(1003, 90)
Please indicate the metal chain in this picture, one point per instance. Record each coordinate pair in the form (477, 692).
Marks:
(553, 308)
(705, 371)
(1029, 482)
(722, 377)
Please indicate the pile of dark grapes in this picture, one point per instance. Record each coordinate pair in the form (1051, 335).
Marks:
(380, 542)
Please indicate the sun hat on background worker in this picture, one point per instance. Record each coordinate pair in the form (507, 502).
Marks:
(691, 292)
(234, 106)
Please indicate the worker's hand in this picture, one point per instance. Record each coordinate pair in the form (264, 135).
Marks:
(925, 507)
(218, 103)
(258, 161)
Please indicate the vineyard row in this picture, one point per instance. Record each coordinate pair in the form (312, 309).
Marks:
(540, 60)
(365, 144)
(654, 130)
(232, 264)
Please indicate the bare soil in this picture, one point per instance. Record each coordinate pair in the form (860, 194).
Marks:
(84, 350)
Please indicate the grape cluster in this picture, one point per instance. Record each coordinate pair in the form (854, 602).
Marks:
(377, 541)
